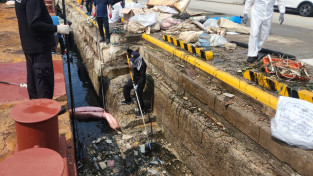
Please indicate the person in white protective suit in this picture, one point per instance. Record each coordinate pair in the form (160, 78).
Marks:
(261, 19)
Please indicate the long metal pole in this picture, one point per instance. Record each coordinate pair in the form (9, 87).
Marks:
(70, 82)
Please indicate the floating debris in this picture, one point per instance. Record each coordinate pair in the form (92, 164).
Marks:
(154, 162)
(126, 137)
(228, 95)
(102, 165)
(110, 163)
(142, 148)
(152, 171)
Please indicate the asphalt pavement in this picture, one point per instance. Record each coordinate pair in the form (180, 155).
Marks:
(294, 36)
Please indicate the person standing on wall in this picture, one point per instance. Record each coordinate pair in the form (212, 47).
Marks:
(101, 12)
(88, 6)
(37, 38)
(261, 20)
(139, 76)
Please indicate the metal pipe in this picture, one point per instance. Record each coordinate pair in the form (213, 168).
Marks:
(70, 81)
(138, 102)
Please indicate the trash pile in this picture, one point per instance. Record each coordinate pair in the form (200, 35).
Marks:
(170, 17)
(124, 155)
(286, 68)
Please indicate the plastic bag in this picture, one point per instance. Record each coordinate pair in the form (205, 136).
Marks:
(204, 40)
(168, 23)
(156, 27)
(232, 26)
(166, 9)
(210, 23)
(115, 15)
(134, 27)
(130, 4)
(180, 5)
(188, 36)
(118, 7)
(217, 40)
(205, 36)
(230, 46)
(293, 122)
(146, 19)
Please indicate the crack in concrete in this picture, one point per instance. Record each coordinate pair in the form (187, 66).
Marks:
(259, 134)
(215, 97)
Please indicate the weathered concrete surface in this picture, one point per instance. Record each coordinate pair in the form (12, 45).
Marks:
(98, 57)
(249, 116)
(11, 52)
(195, 137)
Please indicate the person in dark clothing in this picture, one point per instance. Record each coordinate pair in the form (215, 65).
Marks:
(37, 38)
(100, 10)
(88, 6)
(139, 76)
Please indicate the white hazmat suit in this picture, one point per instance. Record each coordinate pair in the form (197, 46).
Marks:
(261, 19)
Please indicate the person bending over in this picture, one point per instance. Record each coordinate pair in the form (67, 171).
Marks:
(139, 76)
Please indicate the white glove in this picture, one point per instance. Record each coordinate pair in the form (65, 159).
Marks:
(63, 29)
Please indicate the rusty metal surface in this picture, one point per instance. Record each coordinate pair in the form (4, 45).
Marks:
(36, 123)
(16, 73)
(34, 111)
(33, 162)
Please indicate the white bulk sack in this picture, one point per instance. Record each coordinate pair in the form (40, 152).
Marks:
(293, 122)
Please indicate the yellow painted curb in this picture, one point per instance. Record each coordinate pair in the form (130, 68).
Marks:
(280, 88)
(203, 54)
(242, 86)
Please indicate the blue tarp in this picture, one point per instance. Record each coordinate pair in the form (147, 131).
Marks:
(236, 19)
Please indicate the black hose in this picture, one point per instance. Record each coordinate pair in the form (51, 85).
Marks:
(99, 55)
(70, 83)
(4, 82)
(267, 51)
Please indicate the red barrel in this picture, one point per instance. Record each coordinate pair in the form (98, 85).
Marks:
(36, 123)
(33, 162)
